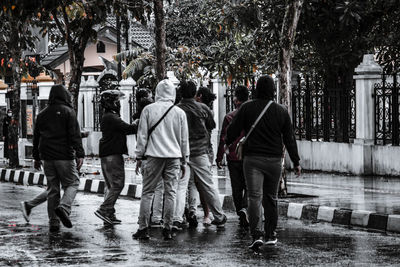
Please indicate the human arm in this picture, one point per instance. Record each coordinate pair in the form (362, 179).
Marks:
(74, 136)
(142, 133)
(289, 140)
(184, 142)
(221, 144)
(235, 128)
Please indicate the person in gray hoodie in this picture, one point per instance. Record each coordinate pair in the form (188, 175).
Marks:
(166, 149)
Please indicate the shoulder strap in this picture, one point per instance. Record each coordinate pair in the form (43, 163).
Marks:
(158, 122)
(257, 120)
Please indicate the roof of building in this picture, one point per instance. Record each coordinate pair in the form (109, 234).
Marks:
(140, 36)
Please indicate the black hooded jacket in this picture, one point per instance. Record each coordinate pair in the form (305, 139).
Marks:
(57, 133)
(273, 130)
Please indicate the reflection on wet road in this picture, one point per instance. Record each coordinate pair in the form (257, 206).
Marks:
(89, 243)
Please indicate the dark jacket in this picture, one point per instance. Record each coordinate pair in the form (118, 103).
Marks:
(57, 133)
(200, 123)
(231, 156)
(272, 132)
(114, 131)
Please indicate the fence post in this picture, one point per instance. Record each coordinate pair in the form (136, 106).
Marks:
(126, 88)
(395, 112)
(368, 73)
(308, 114)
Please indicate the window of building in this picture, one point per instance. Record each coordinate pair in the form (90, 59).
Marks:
(101, 47)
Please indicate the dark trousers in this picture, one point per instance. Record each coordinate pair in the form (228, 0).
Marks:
(114, 177)
(262, 178)
(238, 183)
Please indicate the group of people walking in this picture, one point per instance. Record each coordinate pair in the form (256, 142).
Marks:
(174, 155)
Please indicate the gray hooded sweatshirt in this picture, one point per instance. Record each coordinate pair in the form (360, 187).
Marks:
(170, 138)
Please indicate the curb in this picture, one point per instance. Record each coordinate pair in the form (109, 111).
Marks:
(311, 212)
(86, 185)
(333, 215)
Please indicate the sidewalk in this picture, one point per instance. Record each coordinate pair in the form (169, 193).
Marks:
(369, 202)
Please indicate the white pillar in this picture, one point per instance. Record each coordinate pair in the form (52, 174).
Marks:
(89, 91)
(126, 87)
(368, 73)
(81, 103)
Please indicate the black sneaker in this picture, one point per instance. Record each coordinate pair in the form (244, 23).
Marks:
(142, 234)
(179, 226)
(257, 243)
(64, 217)
(103, 216)
(192, 219)
(158, 224)
(220, 224)
(243, 218)
(54, 228)
(26, 212)
(114, 219)
(167, 234)
(271, 240)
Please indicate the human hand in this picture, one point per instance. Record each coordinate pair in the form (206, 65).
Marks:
(37, 165)
(138, 166)
(297, 170)
(219, 164)
(79, 163)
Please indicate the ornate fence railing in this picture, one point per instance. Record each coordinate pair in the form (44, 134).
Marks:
(387, 118)
(320, 113)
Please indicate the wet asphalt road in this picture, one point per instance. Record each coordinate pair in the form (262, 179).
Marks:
(88, 243)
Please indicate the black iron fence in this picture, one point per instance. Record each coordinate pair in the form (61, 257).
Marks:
(97, 112)
(320, 113)
(387, 119)
(230, 94)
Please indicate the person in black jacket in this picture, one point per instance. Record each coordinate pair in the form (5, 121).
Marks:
(263, 152)
(111, 148)
(57, 142)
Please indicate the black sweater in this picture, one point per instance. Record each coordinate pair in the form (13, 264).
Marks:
(270, 134)
(114, 131)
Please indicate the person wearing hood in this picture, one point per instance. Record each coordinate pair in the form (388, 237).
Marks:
(57, 142)
(162, 140)
(262, 162)
(112, 147)
(200, 124)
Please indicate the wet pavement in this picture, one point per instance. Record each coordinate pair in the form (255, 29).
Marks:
(89, 243)
(370, 193)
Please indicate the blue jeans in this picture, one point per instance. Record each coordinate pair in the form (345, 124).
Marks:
(114, 177)
(262, 178)
(64, 173)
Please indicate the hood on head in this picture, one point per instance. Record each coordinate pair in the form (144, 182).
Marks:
(265, 87)
(60, 95)
(165, 91)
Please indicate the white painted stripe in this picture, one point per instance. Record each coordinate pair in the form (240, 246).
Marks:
(138, 193)
(16, 175)
(326, 213)
(44, 180)
(344, 188)
(36, 178)
(82, 182)
(124, 191)
(360, 217)
(8, 172)
(294, 210)
(95, 186)
(26, 178)
(393, 224)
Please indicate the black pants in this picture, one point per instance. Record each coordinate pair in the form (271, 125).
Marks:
(238, 183)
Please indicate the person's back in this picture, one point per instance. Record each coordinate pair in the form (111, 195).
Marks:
(58, 129)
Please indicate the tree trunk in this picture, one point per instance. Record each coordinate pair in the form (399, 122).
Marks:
(160, 39)
(288, 34)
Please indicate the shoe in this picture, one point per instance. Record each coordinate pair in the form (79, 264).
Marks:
(179, 226)
(243, 218)
(114, 219)
(167, 234)
(220, 224)
(54, 228)
(271, 240)
(103, 216)
(206, 221)
(64, 217)
(26, 212)
(257, 243)
(192, 220)
(158, 224)
(142, 234)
